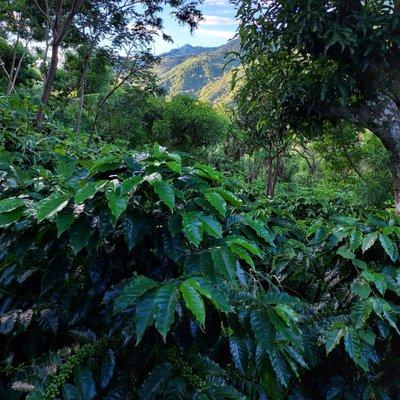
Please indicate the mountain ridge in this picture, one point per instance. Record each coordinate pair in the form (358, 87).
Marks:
(201, 72)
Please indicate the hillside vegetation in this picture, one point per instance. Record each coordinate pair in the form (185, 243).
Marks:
(209, 243)
(201, 72)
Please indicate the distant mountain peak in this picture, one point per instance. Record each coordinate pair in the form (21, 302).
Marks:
(198, 71)
(186, 51)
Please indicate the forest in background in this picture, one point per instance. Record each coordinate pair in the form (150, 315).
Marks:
(241, 244)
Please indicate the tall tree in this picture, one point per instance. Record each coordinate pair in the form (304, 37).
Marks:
(97, 19)
(327, 60)
(15, 23)
(59, 16)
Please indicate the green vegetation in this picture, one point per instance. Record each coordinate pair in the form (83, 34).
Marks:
(203, 73)
(156, 246)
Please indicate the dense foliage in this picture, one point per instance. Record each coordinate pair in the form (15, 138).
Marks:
(312, 62)
(154, 246)
(133, 274)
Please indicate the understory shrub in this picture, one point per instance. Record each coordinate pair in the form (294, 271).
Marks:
(137, 276)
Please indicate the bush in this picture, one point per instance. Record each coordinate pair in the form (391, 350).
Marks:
(132, 275)
(188, 124)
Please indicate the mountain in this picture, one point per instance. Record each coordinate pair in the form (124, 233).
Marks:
(202, 72)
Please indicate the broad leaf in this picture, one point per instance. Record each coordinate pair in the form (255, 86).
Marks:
(166, 193)
(193, 300)
(88, 191)
(64, 220)
(107, 368)
(116, 203)
(217, 201)
(352, 344)
(333, 338)
(217, 297)
(389, 246)
(144, 314)
(10, 217)
(225, 262)
(132, 291)
(369, 241)
(193, 227)
(155, 383)
(80, 235)
(85, 383)
(165, 302)
(10, 204)
(211, 226)
(50, 206)
(263, 329)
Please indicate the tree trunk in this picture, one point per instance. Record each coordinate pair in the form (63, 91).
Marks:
(381, 115)
(60, 28)
(270, 178)
(395, 167)
(48, 83)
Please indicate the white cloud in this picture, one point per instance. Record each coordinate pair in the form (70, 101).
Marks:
(215, 20)
(216, 2)
(215, 33)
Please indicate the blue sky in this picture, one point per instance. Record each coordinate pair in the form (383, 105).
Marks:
(217, 28)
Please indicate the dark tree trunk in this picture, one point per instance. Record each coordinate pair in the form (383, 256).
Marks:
(381, 115)
(384, 121)
(48, 83)
(60, 29)
(270, 178)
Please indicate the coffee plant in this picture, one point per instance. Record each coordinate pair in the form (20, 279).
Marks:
(134, 275)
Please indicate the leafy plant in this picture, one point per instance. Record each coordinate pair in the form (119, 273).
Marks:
(134, 275)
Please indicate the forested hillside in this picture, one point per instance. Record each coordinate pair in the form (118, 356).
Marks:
(205, 73)
(235, 238)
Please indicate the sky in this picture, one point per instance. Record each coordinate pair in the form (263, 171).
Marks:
(218, 27)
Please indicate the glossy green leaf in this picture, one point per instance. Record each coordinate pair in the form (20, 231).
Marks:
(211, 226)
(217, 201)
(165, 302)
(356, 239)
(8, 218)
(217, 297)
(193, 227)
(352, 344)
(333, 338)
(132, 291)
(51, 205)
(144, 314)
(88, 191)
(229, 197)
(369, 241)
(116, 203)
(225, 262)
(263, 329)
(249, 246)
(128, 185)
(80, 235)
(155, 382)
(361, 288)
(11, 204)
(389, 246)
(65, 219)
(193, 300)
(166, 193)
(242, 253)
(345, 252)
